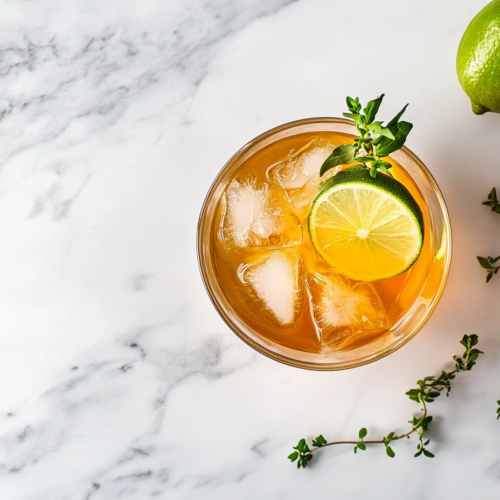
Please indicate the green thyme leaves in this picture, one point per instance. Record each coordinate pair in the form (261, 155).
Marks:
(340, 156)
(371, 109)
(319, 441)
(493, 201)
(360, 445)
(302, 455)
(378, 129)
(387, 146)
(470, 356)
(488, 263)
(427, 390)
(376, 141)
(353, 104)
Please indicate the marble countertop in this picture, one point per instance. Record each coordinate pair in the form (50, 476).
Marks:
(119, 380)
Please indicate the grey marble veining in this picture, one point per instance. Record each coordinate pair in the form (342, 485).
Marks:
(79, 73)
(119, 380)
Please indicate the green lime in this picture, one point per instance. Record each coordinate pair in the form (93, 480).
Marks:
(478, 60)
(367, 228)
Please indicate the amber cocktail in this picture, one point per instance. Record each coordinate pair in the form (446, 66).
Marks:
(268, 282)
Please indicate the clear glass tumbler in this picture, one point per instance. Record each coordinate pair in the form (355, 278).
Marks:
(414, 317)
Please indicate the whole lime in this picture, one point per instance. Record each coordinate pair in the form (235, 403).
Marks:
(478, 60)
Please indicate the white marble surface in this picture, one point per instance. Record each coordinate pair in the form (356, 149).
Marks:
(118, 379)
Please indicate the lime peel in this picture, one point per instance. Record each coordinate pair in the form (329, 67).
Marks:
(478, 56)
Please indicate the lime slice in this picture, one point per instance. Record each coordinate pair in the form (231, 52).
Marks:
(367, 228)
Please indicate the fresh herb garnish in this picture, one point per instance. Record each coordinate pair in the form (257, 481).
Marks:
(493, 201)
(488, 262)
(376, 141)
(428, 389)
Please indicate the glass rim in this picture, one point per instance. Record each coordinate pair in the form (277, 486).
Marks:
(282, 358)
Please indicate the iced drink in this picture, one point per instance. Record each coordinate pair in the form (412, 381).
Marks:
(272, 277)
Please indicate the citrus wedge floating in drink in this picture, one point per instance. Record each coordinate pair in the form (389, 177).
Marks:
(367, 228)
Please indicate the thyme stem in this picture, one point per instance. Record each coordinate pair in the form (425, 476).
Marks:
(427, 391)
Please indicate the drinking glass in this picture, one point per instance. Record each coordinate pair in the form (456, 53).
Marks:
(411, 321)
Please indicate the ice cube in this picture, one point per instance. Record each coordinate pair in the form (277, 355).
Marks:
(299, 175)
(274, 281)
(304, 168)
(255, 217)
(342, 309)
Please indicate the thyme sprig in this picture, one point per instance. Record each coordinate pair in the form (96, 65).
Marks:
(493, 201)
(375, 140)
(488, 262)
(427, 390)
